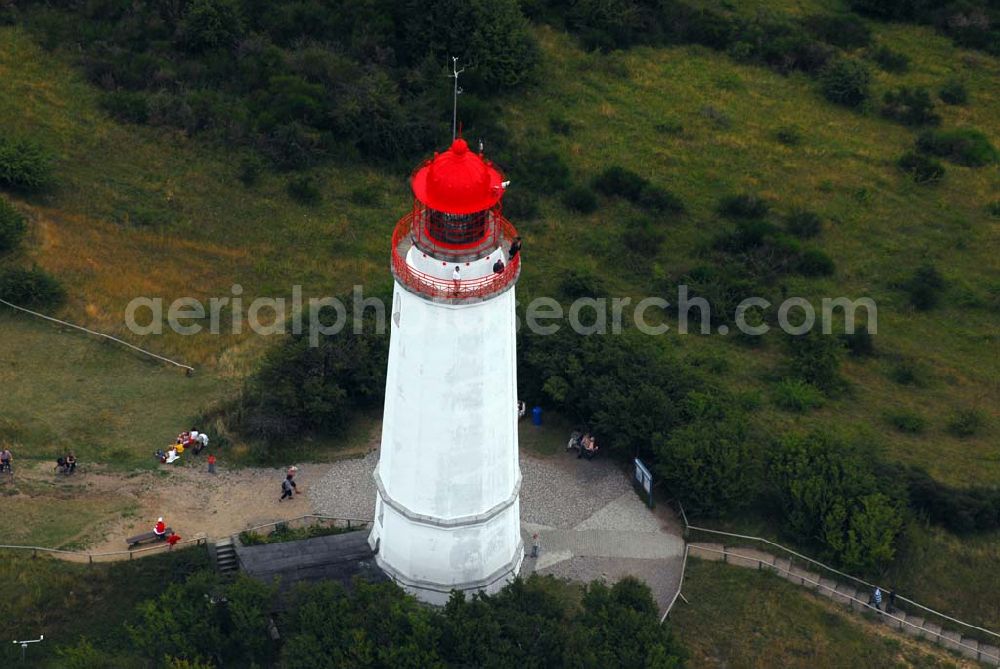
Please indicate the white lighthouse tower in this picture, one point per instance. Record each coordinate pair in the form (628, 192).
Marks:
(447, 515)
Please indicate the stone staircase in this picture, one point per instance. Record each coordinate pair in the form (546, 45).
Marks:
(226, 562)
(848, 596)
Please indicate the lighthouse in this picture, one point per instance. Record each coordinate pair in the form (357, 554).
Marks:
(447, 515)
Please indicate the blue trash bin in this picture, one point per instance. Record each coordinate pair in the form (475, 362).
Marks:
(536, 416)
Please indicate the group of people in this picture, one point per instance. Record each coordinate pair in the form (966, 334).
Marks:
(160, 530)
(498, 267)
(192, 440)
(66, 464)
(584, 443)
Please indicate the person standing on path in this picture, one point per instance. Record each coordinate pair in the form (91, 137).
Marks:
(456, 278)
(890, 604)
(534, 545)
(287, 487)
(211, 463)
(876, 599)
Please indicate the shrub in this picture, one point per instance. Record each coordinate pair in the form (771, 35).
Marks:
(814, 262)
(964, 146)
(815, 358)
(797, 395)
(211, 24)
(953, 92)
(966, 509)
(580, 282)
(12, 227)
(804, 224)
(304, 190)
(24, 164)
(921, 169)
(128, 106)
(30, 288)
(925, 287)
(251, 167)
(789, 135)
(744, 205)
(859, 343)
(907, 372)
(910, 106)
(520, 204)
(659, 200)
(642, 238)
(708, 463)
(846, 82)
(620, 182)
(550, 173)
(581, 199)
(844, 30)
(830, 495)
(907, 421)
(367, 195)
(966, 422)
(889, 60)
(560, 125)
(993, 209)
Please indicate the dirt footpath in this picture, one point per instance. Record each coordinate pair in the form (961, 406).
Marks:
(192, 501)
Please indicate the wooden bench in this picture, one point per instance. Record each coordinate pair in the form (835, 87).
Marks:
(145, 537)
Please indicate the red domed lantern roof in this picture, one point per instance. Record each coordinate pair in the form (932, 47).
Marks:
(458, 181)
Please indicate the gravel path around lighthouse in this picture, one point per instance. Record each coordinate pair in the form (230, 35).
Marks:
(591, 525)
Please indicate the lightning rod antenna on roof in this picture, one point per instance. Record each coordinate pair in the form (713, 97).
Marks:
(457, 91)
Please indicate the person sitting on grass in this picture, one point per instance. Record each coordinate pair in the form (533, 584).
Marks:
(70, 462)
(172, 456)
(6, 457)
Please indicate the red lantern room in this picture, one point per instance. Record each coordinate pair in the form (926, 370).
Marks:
(456, 218)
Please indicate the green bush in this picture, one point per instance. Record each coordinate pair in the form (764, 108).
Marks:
(814, 357)
(709, 463)
(304, 190)
(128, 106)
(12, 227)
(846, 82)
(964, 146)
(925, 287)
(910, 106)
(860, 343)
(961, 510)
(953, 92)
(966, 422)
(921, 169)
(617, 181)
(581, 199)
(909, 422)
(789, 135)
(251, 167)
(889, 60)
(804, 224)
(659, 200)
(520, 204)
(830, 496)
(743, 205)
(580, 282)
(549, 171)
(24, 164)
(844, 30)
(993, 209)
(212, 24)
(560, 125)
(907, 372)
(814, 262)
(30, 288)
(797, 395)
(642, 237)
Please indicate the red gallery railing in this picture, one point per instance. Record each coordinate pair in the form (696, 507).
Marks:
(403, 239)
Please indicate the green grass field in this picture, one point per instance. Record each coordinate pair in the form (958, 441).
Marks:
(741, 618)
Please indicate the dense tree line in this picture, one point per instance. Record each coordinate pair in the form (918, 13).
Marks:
(538, 622)
(299, 81)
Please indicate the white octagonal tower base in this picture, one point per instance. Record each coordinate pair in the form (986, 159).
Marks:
(447, 515)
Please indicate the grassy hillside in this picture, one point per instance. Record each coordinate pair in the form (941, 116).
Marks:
(739, 618)
(141, 211)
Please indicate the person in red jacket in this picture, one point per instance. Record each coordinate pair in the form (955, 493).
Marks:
(160, 529)
(173, 539)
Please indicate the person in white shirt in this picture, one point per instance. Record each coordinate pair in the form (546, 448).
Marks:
(456, 277)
